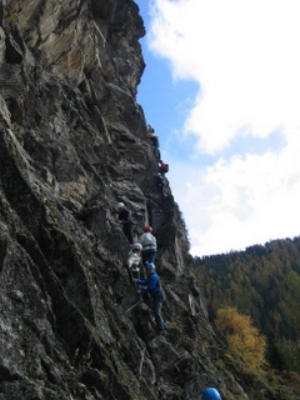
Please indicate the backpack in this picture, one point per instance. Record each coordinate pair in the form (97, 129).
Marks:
(164, 167)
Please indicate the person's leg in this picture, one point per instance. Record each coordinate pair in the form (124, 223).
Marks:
(151, 255)
(144, 256)
(157, 154)
(157, 179)
(136, 273)
(130, 235)
(128, 232)
(157, 305)
(147, 256)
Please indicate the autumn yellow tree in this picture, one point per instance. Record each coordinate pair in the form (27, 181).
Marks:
(242, 337)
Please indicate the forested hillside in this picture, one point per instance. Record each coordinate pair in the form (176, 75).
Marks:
(262, 282)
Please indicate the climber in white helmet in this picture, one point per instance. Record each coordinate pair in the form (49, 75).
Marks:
(134, 260)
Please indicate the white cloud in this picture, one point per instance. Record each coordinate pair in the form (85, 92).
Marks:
(243, 201)
(244, 55)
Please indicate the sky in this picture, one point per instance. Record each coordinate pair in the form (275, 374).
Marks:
(222, 90)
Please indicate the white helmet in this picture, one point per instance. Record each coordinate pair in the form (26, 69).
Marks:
(137, 246)
(121, 205)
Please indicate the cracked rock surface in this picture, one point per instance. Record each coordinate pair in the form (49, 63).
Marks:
(73, 144)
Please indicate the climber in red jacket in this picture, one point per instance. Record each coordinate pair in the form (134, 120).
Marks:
(163, 168)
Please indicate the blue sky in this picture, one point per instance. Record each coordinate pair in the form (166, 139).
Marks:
(164, 100)
(222, 90)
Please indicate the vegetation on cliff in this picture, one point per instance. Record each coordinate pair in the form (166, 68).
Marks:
(263, 283)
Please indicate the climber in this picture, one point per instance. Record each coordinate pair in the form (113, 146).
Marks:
(163, 168)
(126, 220)
(150, 129)
(161, 181)
(153, 287)
(133, 262)
(211, 394)
(155, 142)
(148, 241)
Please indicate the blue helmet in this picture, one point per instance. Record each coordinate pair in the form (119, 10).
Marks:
(211, 394)
(150, 265)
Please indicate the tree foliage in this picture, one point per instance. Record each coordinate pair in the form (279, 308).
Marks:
(243, 338)
(264, 283)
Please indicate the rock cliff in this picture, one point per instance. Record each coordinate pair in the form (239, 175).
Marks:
(72, 145)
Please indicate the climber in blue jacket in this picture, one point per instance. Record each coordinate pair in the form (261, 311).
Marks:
(152, 286)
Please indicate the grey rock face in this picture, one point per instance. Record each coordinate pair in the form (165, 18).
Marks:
(72, 145)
